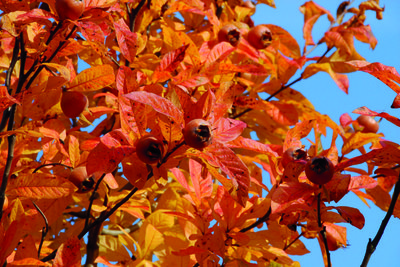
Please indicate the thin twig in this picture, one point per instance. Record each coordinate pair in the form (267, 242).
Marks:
(92, 197)
(45, 229)
(258, 222)
(371, 246)
(51, 164)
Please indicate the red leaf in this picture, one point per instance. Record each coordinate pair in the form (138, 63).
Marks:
(106, 156)
(226, 130)
(127, 40)
(287, 194)
(158, 103)
(91, 31)
(253, 145)
(362, 182)
(223, 157)
(69, 253)
(5, 99)
(219, 52)
(172, 59)
(385, 74)
(352, 215)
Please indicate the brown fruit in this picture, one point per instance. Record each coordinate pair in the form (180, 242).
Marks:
(259, 37)
(70, 9)
(73, 103)
(370, 124)
(198, 133)
(81, 180)
(149, 149)
(319, 170)
(229, 33)
(292, 154)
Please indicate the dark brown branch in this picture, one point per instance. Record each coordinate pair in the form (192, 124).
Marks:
(371, 246)
(92, 247)
(92, 197)
(97, 222)
(44, 230)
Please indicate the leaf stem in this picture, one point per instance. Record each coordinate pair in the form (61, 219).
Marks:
(371, 246)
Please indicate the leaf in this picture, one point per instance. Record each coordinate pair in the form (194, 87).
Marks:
(298, 132)
(91, 31)
(341, 80)
(386, 74)
(6, 100)
(223, 157)
(287, 194)
(338, 187)
(226, 130)
(253, 145)
(359, 139)
(39, 186)
(106, 156)
(69, 254)
(93, 79)
(218, 53)
(352, 216)
(158, 103)
(284, 41)
(282, 113)
(127, 40)
(312, 12)
(362, 182)
(172, 59)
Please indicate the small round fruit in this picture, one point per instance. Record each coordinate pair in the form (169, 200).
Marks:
(260, 37)
(70, 9)
(73, 103)
(81, 180)
(229, 33)
(292, 154)
(370, 124)
(149, 149)
(319, 170)
(198, 133)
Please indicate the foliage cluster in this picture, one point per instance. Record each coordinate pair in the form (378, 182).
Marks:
(154, 67)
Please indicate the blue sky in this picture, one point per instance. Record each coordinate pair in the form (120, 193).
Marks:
(365, 90)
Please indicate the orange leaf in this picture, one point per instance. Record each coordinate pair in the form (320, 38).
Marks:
(312, 12)
(172, 59)
(218, 53)
(340, 79)
(298, 132)
(158, 103)
(284, 41)
(93, 79)
(39, 186)
(352, 216)
(357, 140)
(69, 253)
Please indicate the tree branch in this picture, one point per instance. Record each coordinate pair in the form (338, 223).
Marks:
(371, 246)
(323, 231)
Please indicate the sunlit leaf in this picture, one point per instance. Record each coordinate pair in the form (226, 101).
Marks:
(69, 253)
(93, 79)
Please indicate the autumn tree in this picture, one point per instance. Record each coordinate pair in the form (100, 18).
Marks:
(190, 108)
